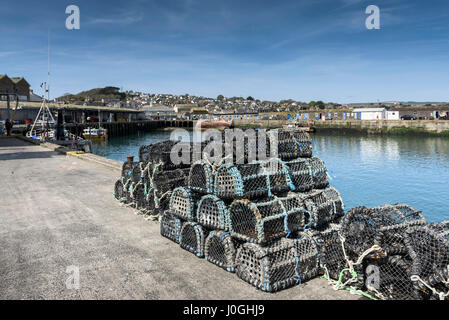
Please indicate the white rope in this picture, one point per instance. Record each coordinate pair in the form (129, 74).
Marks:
(352, 264)
(441, 295)
(214, 166)
(379, 294)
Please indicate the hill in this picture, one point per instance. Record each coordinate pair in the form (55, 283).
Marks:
(96, 94)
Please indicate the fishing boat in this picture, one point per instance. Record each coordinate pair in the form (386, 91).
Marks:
(95, 134)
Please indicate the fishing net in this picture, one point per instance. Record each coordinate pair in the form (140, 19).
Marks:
(307, 173)
(139, 197)
(374, 240)
(280, 265)
(157, 203)
(127, 171)
(212, 213)
(257, 179)
(291, 144)
(307, 263)
(325, 206)
(429, 251)
(245, 146)
(331, 253)
(183, 203)
(170, 226)
(167, 180)
(120, 193)
(201, 177)
(221, 249)
(319, 173)
(157, 152)
(268, 219)
(192, 238)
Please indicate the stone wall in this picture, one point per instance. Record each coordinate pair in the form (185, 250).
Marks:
(440, 127)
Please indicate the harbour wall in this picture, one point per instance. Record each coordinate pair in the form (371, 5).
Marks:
(398, 127)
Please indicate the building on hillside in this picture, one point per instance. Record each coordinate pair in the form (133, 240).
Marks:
(185, 108)
(370, 113)
(159, 111)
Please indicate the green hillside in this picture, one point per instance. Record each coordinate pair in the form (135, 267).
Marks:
(95, 95)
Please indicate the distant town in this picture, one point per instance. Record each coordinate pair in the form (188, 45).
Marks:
(131, 105)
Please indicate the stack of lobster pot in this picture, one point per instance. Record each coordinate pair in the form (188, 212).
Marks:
(251, 218)
(147, 184)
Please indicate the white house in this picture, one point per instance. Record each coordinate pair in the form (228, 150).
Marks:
(392, 115)
(370, 113)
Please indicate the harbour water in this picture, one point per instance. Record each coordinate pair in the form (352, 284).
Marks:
(367, 170)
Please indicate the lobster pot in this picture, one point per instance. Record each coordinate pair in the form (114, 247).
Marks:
(388, 278)
(145, 170)
(129, 171)
(171, 226)
(429, 251)
(192, 238)
(290, 144)
(393, 221)
(301, 174)
(332, 255)
(120, 193)
(221, 249)
(257, 179)
(167, 180)
(359, 229)
(324, 205)
(385, 227)
(271, 268)
(246, 146)
(212, 213)
(157, 203)
(183, 203)
(139, 196)
(171, 154)
(308, 173)
(265, 220)
(157, 152)
(319, 173)
(200, 177)
(307, 257)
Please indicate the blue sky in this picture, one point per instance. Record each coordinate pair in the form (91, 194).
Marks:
(271, 50)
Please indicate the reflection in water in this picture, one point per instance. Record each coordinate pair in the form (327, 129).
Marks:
(367, 170)
(373, 170)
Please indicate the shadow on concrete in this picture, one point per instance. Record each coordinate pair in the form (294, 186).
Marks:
(26, 155)
(13, 142)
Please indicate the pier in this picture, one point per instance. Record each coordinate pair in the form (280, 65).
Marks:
(57, 211)
(124, 128)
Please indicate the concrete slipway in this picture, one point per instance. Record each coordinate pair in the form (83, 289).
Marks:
(57, 211)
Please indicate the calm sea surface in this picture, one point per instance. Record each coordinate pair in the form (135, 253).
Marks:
(367, 170)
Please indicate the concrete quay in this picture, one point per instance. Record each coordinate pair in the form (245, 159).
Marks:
(57, 211)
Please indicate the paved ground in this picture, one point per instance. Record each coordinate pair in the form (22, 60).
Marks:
(58, 211)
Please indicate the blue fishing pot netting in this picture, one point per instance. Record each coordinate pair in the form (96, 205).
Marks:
(221, 249)
(170, 226)
(264, 220)
(282, 264)
(192, 238)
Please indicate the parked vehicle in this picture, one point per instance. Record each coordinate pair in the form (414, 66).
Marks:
(407, 117)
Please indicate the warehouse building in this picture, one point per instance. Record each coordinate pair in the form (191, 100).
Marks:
(14, 87)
